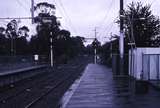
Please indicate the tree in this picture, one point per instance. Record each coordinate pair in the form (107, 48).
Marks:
(11, 29)
(96, 43)
(22, 45)
(45, 8)
(77, 45)
(62, 46)
(46, 18)
(23, 31)
(2, 41)
(33, 46)
(16, 39)
(141, 25)
(2, 30)
(47, 27)
(11, 33)
(108, 50)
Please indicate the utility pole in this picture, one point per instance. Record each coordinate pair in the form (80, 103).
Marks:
(132, 43)
(51, 49)
(121, 40)
(111, 45)
(32, 10)
(95, 49)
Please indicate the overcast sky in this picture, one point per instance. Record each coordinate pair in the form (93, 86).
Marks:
(80, 17)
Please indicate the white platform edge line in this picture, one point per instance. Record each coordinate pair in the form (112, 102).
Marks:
(75, 86)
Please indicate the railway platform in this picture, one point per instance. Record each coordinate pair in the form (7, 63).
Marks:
(97, 88)
(9, 75)
(93, 89)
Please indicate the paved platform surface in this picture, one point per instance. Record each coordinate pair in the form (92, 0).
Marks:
(98, 89)
(94, 89)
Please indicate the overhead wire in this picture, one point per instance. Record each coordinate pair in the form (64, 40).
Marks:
(18, 18)
(27, 1)
(67, 14)
(107, 14)
(109, 28)
(68, 17)
(22, 5)
(4, 24)
(106, 17)
(61, 12)
(157, 3)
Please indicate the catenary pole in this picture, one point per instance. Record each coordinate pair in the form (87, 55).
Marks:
(95, 49)
(121, 40)
(51, 49)
(32, 10)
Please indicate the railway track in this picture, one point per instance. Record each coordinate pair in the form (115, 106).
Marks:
(34, 93)
(59, 83)
(4, 98)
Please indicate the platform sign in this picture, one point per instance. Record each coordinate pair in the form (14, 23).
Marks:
(36, 57)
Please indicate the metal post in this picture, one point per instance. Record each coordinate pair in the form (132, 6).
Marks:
(51, 49)
(111, 49)
(11, 45)
(131, 22)
(142, 72)
(95, 56)
(12, 48)
(111, 45)
(95, 50)
(32, 10)
(121, 40)
(157, 68)
(149, 56)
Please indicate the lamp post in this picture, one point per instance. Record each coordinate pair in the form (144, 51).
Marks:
(121, 40)
(95, 56)
(51, 49)
(95, 43)
(49, 21)
(111, 46)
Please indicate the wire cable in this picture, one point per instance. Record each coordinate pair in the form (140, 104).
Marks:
(61, 12)
(23, 6)
(111, 7)
(107, 14)
(27, 1)
(68, 17)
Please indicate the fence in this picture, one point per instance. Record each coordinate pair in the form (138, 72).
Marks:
(150, 66)
(144, 63)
